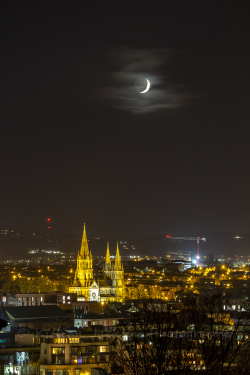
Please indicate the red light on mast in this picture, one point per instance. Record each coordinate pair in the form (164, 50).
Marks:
(168, 236)
(48, 219)
(48, 227)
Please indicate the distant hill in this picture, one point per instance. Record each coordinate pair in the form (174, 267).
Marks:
(17, 244)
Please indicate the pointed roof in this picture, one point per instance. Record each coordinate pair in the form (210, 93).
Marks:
(117, 258)
(107, 260)
(84, 247)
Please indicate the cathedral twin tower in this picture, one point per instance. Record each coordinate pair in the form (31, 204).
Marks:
(109, 289)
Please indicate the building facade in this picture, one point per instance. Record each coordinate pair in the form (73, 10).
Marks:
(109, 289)
(74, 355)
(37, 299)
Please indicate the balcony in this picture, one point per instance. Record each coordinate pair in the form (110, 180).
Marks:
(82, 360)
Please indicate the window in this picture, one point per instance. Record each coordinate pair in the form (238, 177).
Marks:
(58, 356)
(32, 303)
(63, 297)
(27, 304)
(36, 298)
(32, 298)
(22, 298)
(60, 340)
(87, 308)
(102, 349)
(102, 358)
(22, 303)
(27, 298)
(41, 298)
(45, 351)
(68, 297)
(74, 340)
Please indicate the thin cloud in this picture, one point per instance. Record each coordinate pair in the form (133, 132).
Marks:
(131, 64)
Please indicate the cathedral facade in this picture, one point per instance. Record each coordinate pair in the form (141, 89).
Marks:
(109, 289)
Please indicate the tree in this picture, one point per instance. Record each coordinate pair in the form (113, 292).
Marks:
(63, 286)
(27, 286)
(8, 286)
(199, 337)
(43, 285)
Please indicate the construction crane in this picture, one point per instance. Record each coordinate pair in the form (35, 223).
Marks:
(197, 239)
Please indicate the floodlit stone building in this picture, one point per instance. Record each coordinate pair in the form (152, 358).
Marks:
(109, 289)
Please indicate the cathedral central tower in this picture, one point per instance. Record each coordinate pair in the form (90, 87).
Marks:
(84, 268)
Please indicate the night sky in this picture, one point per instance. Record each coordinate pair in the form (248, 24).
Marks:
(80, 144)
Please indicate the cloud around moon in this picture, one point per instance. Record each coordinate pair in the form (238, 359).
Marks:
(131, 65)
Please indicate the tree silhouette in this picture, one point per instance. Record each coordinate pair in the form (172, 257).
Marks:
(200, 337)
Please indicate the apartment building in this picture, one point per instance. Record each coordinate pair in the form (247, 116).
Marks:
(36, 299)
(74, 355)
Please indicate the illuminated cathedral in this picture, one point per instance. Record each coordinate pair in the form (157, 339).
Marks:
(109, 289)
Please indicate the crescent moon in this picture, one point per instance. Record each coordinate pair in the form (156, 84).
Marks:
(147, 88)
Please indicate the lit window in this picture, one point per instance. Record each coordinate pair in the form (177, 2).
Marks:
(58, 350)
(41, 298)
(74, 360)
(63, 297)
(103, 349)
(75, 340)
(68, 297)
(60, 340)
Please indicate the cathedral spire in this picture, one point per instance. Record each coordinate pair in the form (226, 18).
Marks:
(107, 260)
(117, 258)
(85, 247)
